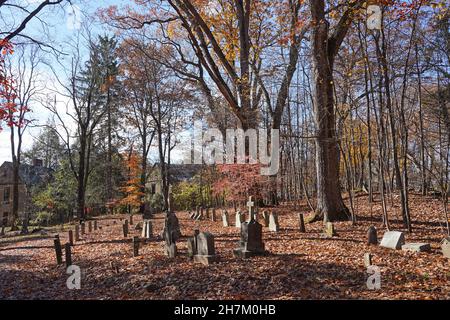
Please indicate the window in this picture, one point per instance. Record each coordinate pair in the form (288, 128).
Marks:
(6, 194)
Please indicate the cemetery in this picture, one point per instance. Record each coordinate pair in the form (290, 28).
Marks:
(173, 256)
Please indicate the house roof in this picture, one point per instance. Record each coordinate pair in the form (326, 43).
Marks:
(28, 174)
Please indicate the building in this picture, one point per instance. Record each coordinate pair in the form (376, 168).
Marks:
(177, 172)
(29, 176)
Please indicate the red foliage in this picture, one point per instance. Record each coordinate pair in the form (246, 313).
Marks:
(8, 107)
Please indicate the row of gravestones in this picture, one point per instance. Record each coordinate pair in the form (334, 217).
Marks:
(396, 240)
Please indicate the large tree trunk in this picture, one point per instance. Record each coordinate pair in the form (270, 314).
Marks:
(330, 206)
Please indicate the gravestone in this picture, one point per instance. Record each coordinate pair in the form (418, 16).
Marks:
(265, 216)
(329, 229)
(445, 246)
(273, 222)
(83, 228)
(90, 226)
(393, 240)
(251, 243)
(416, 247)
(213, 215)
(135, 246)
(372, 237)
(77, 232)
(251, 209)
(239, 219)
(125, 229)
(68, 252)
(71, 237)
(58, 249)
(171, 234)
(192, 245)
(301, 222)
(368, 259)
(147, 229)
(225, 220)
(206, 253)
(192, 215)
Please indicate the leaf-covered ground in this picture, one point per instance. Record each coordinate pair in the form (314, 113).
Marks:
(299, 265)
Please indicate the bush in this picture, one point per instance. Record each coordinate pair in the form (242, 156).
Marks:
(43, 218)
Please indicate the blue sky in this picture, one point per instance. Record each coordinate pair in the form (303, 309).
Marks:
(62, 28)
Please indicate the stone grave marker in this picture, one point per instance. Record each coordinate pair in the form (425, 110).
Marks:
(77, 232)
(393, 240)
(445, 246)
(301, 222)
(265, 216)
(251, 240)
(135, 246)
(71, 237)
(147, 229)
(58, 249)
(239, 219)
(273, 222)
(171, 234)
(213, 215)
(206, 253)
(83, 228)
(368, 259)
(330, 230)
(416, 247)
(192, 245)
(225, 221)
(68, 252)
(372, 237)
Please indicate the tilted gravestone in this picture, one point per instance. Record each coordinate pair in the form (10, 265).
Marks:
(372, 237)
(225, 220)
(416, 247)
(273, 222)
(206, 253)
(265, 216)
(251, 243)
(445, 246)
(393, 240)
(238, 219)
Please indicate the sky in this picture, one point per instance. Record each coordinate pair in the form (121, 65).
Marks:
(63, 27)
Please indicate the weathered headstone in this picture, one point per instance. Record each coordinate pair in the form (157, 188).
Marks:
(251, 240)
(393, 240)
(77, 232)
(416, 247)
(206, 253)
(225, 220)
(239, 219)
(213, 214)
(58, 249)
(265, 216)
(125, 229)
(147, 229)
(135, 246)
(367, 260)
(83, 228)
(192, 245)
(372, 237)
(273, 222)
(445, 246)
(71, 237)
(171, 234)
(68, 252)
(301, 222)
(329, 229)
